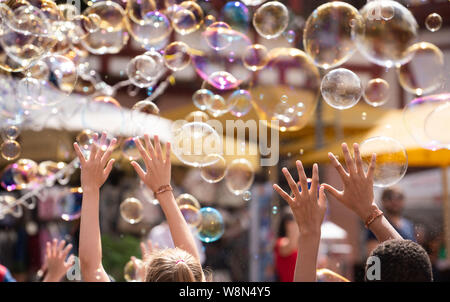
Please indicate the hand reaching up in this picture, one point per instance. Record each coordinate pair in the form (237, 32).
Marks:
(55, 260)
(157, 165)
(309, 211)
(93, 170)
(146, 250)
(357, 194)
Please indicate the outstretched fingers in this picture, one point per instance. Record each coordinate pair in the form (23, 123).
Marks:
(149, 145)
(158, 148)
(315, 180)
(79, 153)
(337, 165)
(349, 162)
(282, 193)
(372, 165)
(145, 156)
(358, 159)
(291, 182)
(302, 176)
(138, 170)
(109, 151)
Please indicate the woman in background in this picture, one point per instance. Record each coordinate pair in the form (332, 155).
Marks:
(286, 248)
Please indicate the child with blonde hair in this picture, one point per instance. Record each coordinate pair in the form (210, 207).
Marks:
(170, 265)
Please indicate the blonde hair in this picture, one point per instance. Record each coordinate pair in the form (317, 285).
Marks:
(173, 265)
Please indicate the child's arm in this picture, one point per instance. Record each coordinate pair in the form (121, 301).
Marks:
(55, 260)
(93, 176)
(156, 176)
(358, 192)
(309, 211)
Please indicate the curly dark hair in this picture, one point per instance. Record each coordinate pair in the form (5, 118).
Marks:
(402, 261)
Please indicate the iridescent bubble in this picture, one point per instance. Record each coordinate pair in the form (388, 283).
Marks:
(143, 70)
(196, 116)
(10, 149)
(255, 57)
(85, 139)
(49, 168)
(284, 112)
(253, 2)
(290, 36)
(132, 269)
(424, 72)
(435, 123)
(131, 210)
(111, 36)
(433, 22)
(223, 88)
(11, 132)
(62, 75)
(130, 150)
(391, 161)
(376, 92)
(218, 35)
(341, 88)
(236, 14)
(330, 33)
(271, 19)
(29, 90)
(215, 171)
(70, 204)
(212, 225)
(191, 215)
(187, 18)
(147, 26)
(187, 199)
(247, 195)
(385, 41)
(176, 56)
(223, 80)
(202, 98)
(147, 107)
(326, 275)
(240, 176)
(415, 116)
(7, 179)
(194, 141)
(296, 79)
(25, 172)
(242, 101)
(137, 9)
(210, 19)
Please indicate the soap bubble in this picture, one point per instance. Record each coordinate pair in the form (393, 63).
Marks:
(242, 101)
(143, 70)
(433, 22)
(385, 41)
(176, 56)
(191, 215)
(137, 9)
(111, 36)
(341, 88)
(223, 80)
(236, 15)
(7, 179)
(11, 132)
(202, 98)
(147, 107)
(148, 26)
(187, 17)
(247, 195)
(255, 57)
(49, 168)
(253, 2)
(424, 72)
(215, 171)
(223, 88)
(132, 269)
(212, 226)
(62, 76)
(326, 275)
(415, 115)
(85, 139)
(188, 199)
(131, 210)
(10, 149)
(271, 19)
(376, 92)
(391, 161)
(130, 150)
(70, 204)
(194, 141)
(218, 35)
(435, 123)
(196, 116)
(210, 19)
(330, 33)
(25, 172)
(240, 176)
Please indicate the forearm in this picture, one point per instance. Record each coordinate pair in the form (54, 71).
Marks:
(90, 250)
(306, 265)
(179, 229)
(383, 230)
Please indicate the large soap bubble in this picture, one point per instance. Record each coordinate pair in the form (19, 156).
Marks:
(131, 210)
(290, 77)
(386, 39)
(236, 14)
(239, 176)
(435, 123)
(212, 226)
(391, 162)
(341, 88)
(187, 17)
(271, 19)
(330, 33)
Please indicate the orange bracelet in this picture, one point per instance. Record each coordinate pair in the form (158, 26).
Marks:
(163, 189)
(376, 212)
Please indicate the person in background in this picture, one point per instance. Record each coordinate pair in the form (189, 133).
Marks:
(392, 202)
(5, 275)
(285, 249)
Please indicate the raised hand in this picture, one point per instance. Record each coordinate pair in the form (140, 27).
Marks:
(93, 170)
(308, 209)
(357, 194)
(158, 166)
(146, 250)
(55, 260)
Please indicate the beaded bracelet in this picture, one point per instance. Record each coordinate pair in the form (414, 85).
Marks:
(163, 189)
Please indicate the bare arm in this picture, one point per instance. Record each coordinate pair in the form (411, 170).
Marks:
(358, 192)
(157, 175)
(93, 176)
(309, 212)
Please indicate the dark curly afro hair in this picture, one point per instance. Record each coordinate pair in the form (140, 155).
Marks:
(402, 261)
